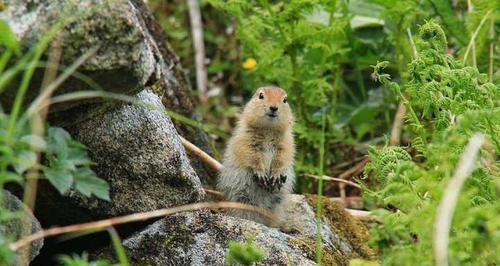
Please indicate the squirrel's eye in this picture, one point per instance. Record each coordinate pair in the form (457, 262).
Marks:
(285, 100)
(261, 95)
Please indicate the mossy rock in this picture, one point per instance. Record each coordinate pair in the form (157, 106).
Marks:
(347, 227)
(22, 219)
(203, 237)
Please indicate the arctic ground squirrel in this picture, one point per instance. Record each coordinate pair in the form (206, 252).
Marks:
(258, 161)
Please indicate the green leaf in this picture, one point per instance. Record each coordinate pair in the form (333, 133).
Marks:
(58, 138)
(8, 38)
(25, 160)
(6, 215)
(365, 8)
(34, 141)
(244, 253)
(64, 165)
(455, 26)
(78, 157)
(61, 180)
(87, 183)
(118, 247)
(319, 15)
(366, 22)
(7, 255)
(81, 260)
(10, 177)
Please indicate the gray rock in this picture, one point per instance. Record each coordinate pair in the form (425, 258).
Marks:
(138, 152)
(132, 55)
(202, 238)
(124, 61)
(14, 227)
(171, 86)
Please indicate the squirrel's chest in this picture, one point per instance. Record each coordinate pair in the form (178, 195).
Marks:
(266, 149)
(268, 155)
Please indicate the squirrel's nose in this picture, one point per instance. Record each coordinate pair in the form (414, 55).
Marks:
(273, 109)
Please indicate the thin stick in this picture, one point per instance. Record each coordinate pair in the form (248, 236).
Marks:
(413, 46)
(348, 163)
(199, 49)
(37, 129)
(38, 121)
(329, 178)
(492, 49)
(42, 99)
(103, 224)
(363, 215)
(474, 35)
(214, 164)
(358, 168)
(349, 202)
(470, 9)
(448, 203)
(397, 125)
(214, 192)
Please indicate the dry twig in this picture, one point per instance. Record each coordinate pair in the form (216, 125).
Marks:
(492, 49)
(349, 202)
(199, 48)
(348, 163)
(357, 169)
(473, 40)
(103, 224)
(214, 192)
(329, 178)
(364, 215)
(397, 125)
(193, 149)
(450, 197)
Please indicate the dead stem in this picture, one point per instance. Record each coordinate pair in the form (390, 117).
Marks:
(329, 178)
(103, 224)
(397, 125)
(199, 48)
(193, 149)
(450, 197)
(38, 129)
(473, 38)
(492, 49)
(214, 192)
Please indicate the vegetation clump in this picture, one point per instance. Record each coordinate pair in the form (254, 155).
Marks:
(321, 52)
(347, 227)
(329, 257)
(243, 253)
(447, 104)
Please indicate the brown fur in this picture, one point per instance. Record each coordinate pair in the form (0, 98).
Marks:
(258, 163)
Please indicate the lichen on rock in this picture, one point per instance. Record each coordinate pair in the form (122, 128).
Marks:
(23, 222)
(203, 237)
(347, 227)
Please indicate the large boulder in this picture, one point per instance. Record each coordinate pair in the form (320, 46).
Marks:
(202, 238)
(22, 224)
(139, 152)
(136, 148)
(123, 63)
(132, 55)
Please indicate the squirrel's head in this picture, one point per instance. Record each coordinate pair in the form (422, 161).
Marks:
(268, 108)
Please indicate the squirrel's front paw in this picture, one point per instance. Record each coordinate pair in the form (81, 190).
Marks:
(270, 183)
(260, 179)
(276, 182)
